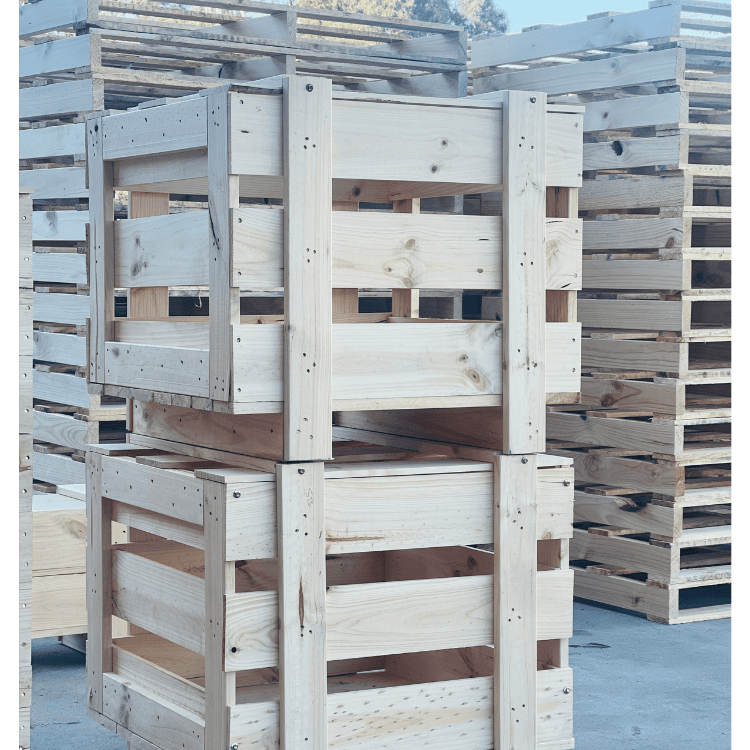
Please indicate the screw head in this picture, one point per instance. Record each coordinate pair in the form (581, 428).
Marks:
(566, 483)
(533, 100)
(235, 494)
(309, 87)
(234, 746)
(524, 460)
(300, 471)
(566, 690)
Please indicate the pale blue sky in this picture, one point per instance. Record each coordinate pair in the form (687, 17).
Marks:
(529, 12)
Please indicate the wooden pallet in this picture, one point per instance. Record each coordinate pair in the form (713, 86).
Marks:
(365, 375)
(113, 54)
(407, 556)
(25, 462)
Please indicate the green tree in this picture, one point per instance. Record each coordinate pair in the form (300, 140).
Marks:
(476, 16)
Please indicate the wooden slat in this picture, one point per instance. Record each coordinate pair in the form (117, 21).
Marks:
(60, 226)
(68, 98)
(60, 140)
(61, 389)
(515, 596)
(302, 605)
(63, 268)
(524, 201)
(307, 269)
(66, 182)
(34, 18)
(56, 56)
(68, 309)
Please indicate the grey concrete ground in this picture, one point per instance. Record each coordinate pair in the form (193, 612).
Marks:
(638, 686)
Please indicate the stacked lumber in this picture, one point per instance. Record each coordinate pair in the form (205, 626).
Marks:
(24, 464)
(651, 438)
(304, 491)
(79, 56)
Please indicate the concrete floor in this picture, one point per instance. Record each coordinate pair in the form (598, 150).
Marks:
(638, 686)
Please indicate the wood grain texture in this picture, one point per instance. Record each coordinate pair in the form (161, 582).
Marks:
(307, 268)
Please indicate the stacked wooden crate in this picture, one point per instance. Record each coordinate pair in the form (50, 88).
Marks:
(24, 464)
(79, 56)
(651, 438)
(305, 490)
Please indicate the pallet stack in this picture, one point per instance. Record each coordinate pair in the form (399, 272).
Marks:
(79, 56)
(24, 464)
(305, 490)
(651, 438)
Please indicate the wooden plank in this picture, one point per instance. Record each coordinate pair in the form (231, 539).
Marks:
(57, 56)
(307, 269)
(637, 111)
(302, 603)
(157, 130)
(98, 582)
(63, 268)
(101, 248)
(667, 152)
(34, 18)
(167, 492)
(636, 274)
(163, 600)
(61, 429)
(60, 226)
(614, 356)
(618, 433)
(523, 347)
(598, 33)
(60, 140)
(66, 182)
(611, 72)
(58, 605)
(157, 367)
(62, 348)
(640, 315)
(219, 581)
(68, 309)
(223, 195)
(515, 595)
(59, 536)
(405, 360)
(58, 469)
(61, 388)
(636, 234)
(395, 617)
(55, 99)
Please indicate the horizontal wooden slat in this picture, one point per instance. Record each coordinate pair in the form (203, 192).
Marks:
(61, 226)
(62, 348)
(459, 714)
(58, 469)
(613, 355)
(66, 182)
(164, 601)
(164, 491)
(636, 274)
(55, 57)
(60, 429)
(634, 234)
(634, 191)
(640, 315)
(394, 617)
(598, 33)
(70, 97)
(667, 152)
(157, 367)
(61, 388)
(68, 309)
(60, 268)
(58, 606)
(60, 140)
(52, 14)
(402, 360)
(637, 111)
(59, 536)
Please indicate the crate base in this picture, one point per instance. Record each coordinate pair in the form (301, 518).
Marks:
(660, 604)
(154, 707)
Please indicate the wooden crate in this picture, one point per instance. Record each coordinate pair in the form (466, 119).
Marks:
(395, 607)
(234, 365)
(25, 455)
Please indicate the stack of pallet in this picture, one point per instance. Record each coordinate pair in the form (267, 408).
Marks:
(651, 438)
(79, 56)
(305, 491)
(24, 464)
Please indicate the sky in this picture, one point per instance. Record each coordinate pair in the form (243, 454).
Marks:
(529, 12)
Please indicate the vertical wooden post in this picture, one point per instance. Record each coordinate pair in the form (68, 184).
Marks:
(524, 193)
(148, 303)
(307, 269)
(515, 602)
(302, 618)
(405, 302)
(220, 581)
(98, 582)
(101, 246)
(223, 196)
